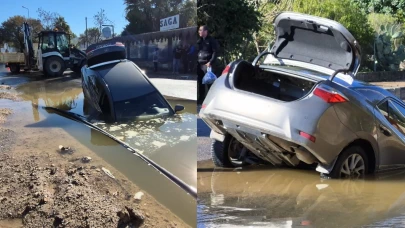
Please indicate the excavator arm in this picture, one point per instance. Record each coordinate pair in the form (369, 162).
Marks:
(28, 46)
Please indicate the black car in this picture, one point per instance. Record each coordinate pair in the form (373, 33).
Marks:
(117, 88)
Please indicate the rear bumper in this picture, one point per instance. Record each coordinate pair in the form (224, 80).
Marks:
(271, 129)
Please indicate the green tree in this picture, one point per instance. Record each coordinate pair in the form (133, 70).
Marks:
(144, 15)
(61, 24)
(395, 8)
(93, 36)
(11, 31)
(231, 22)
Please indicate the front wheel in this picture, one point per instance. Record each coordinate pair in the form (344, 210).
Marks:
(54, 66)
(229, 153)
(352, 163)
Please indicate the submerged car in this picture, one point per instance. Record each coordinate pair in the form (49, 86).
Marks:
(301, 104)
(117, 88)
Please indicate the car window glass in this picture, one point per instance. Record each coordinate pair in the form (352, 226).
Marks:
(383, 108)
(397, 116)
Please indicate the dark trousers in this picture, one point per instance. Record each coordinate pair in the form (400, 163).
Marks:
(185, 65)
(155, 64)
(202, 89)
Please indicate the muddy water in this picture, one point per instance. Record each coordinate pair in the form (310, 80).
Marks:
(170, 143)
(267, 197)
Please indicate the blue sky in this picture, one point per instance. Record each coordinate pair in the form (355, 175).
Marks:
(74, 11)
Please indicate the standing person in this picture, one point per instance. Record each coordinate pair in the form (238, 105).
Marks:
(191, 58)
(177, 53)
(207, 54)
(185, 58)
(156, 59)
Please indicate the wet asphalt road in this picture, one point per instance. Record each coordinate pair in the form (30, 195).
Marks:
(275, 197)
(203, 140)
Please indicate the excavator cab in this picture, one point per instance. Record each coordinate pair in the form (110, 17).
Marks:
(55, 53)
(54, 41)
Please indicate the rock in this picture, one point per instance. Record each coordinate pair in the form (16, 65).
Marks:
(65, 149)
(130, 217)
(53, 170)
(86, 159)
(106, 171)
(138, 195)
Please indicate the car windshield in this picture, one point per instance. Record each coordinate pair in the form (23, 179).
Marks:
(151, 104)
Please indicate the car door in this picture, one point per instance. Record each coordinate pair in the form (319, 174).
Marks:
(391, 134)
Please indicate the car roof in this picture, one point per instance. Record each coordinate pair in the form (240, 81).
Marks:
(130, 84)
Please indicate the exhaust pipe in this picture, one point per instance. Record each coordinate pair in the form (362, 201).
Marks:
(303, 155)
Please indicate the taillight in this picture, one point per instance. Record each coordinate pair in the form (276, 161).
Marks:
(329, 96)
(226, 70)
(307, 136)
(203, 106)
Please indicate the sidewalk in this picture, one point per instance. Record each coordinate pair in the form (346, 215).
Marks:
(170, 75)
(183, 89)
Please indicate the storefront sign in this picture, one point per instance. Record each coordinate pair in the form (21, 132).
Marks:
(169, 23)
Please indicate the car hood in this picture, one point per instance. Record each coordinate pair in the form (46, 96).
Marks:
(317, 41)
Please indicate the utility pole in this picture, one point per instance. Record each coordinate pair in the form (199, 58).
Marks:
(87, 41)
(28, 12)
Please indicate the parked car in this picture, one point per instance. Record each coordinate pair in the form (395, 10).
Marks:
(303, 105)
(118, 89)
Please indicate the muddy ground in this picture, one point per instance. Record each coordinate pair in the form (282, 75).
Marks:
(43, 186)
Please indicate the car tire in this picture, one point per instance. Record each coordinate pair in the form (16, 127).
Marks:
(54, 66)
(344, 168)
(15, 68)
(220, 153)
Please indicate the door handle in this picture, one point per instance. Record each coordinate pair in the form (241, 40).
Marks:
(385, 130)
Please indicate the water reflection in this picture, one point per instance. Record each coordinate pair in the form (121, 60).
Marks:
(292, 198)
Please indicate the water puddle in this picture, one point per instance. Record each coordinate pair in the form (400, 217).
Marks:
(170, 143)
(267, 197)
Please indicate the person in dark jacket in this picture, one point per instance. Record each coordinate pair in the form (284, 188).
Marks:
(177, 53)
(207, 55)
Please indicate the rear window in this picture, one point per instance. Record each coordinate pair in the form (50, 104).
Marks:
(150, 104)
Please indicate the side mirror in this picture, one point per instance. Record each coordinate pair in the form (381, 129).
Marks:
(178, 108)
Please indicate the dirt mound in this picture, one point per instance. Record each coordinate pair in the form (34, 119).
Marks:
(4, 112)
(51, 196)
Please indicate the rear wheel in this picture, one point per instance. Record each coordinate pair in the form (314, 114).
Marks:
(15, 68)
(229, 153)
(351, 164)
(54, 66)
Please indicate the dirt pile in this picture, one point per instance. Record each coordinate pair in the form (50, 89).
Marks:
(4, 112)
(60, 196)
